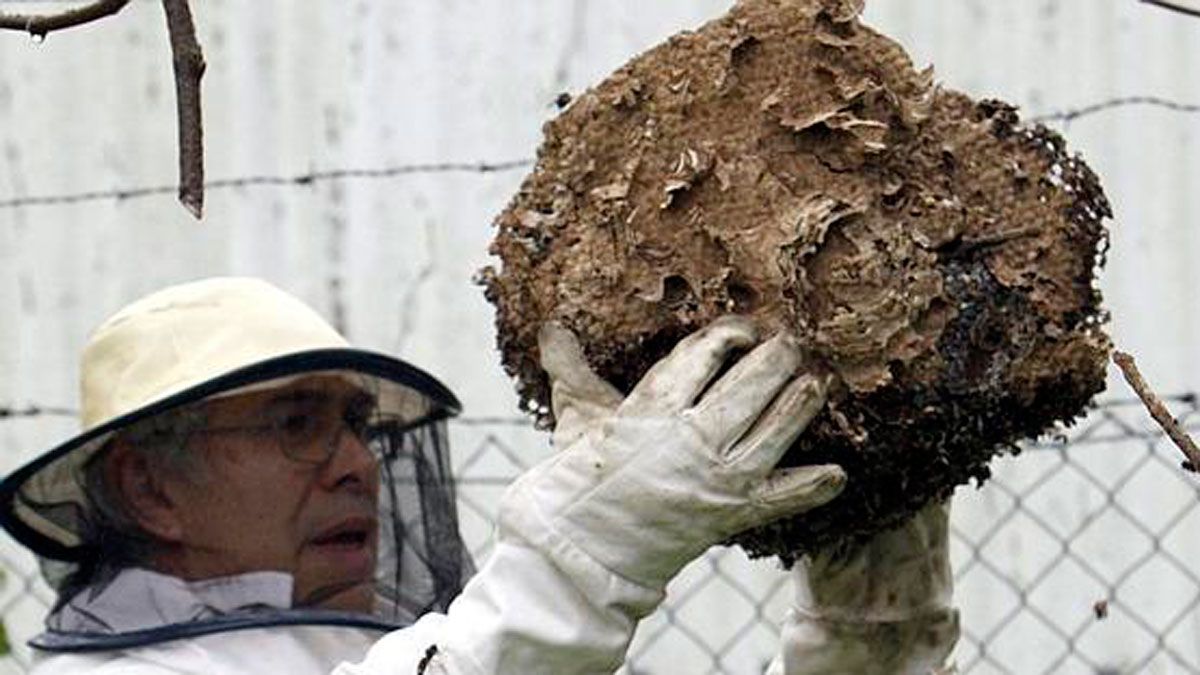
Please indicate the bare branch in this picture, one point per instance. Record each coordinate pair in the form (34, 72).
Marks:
(1158, 410)
(1191, 7)
(39, 26)
(189, 69)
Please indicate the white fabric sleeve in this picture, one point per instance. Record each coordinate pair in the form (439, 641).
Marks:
(521, 614)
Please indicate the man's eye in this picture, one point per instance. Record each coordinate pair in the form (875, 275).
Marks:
(360, 423)
(360, 412)
(297, 427)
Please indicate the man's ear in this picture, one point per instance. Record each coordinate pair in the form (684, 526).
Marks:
(147, 497)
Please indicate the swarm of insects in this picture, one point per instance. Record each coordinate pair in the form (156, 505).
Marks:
(788, 163)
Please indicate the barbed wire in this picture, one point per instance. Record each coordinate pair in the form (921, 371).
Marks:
(13, 411)
(311, 178)
(299, 180)
(1114, 103)
(482, 167)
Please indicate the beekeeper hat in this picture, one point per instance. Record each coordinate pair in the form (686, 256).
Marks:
(187, 343)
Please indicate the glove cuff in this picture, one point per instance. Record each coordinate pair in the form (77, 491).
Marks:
(520, 521)
(874, 615)
(915, 646)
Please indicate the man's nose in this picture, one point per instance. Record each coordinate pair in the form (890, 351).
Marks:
(351, 465)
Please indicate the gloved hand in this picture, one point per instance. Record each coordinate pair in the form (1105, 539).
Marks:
(647, 483)
(882, 606)
(893, 576)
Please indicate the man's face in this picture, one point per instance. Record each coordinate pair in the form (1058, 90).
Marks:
(257, 507)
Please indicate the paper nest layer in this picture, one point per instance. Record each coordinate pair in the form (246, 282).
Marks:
(787, 163)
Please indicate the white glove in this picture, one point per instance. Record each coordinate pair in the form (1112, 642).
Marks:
(882, 606)
(893, 576)
(646, 484)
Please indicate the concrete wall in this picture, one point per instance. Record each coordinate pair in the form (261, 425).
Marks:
(299, 87)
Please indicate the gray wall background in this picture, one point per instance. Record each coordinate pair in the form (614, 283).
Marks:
(295, 87)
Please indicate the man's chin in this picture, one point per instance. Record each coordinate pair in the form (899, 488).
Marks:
(348, 597)
(342, 578)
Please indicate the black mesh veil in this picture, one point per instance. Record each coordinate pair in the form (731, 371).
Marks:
(421, 562)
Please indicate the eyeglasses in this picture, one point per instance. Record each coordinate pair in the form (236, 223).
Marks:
(308, 426)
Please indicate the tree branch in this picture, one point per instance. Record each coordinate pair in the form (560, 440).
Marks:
(1158, 410)
(1190, 7)
(39, 26)
(189, 69)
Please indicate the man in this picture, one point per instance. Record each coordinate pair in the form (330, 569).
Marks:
(251, 495)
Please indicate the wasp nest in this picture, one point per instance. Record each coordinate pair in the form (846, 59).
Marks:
(787, 163)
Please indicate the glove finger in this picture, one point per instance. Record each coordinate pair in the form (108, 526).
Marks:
(573, 416)
(775, 430)
(572, 381)
(738, 399)
(673, 384)
(794, 490)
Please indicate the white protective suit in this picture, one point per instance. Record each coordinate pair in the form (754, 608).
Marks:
(588, 540)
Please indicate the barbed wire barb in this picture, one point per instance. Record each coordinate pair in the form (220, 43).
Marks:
(31, 410)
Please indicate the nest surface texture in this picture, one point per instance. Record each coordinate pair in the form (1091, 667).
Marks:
(787, 163)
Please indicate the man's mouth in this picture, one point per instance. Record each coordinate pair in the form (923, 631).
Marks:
(350, 534)
(340, 565)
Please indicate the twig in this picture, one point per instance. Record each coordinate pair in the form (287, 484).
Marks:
(1158, 410)
(189, 69)
(39, 26)
(1189, 7)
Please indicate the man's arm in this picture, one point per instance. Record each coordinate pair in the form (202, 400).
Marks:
(588, 539)
(881, 607)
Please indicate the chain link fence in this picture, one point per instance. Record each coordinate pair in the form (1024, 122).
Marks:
(1080, 556)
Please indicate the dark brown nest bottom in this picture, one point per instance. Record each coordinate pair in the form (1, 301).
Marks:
(787, 163)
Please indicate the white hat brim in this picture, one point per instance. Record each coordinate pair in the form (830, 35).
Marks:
(417, 395)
